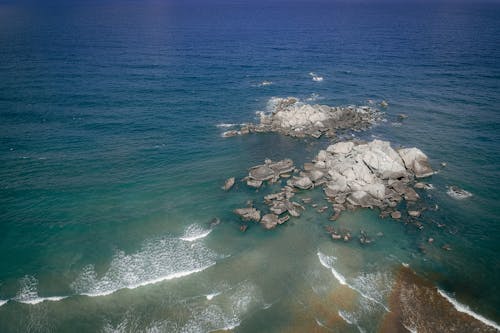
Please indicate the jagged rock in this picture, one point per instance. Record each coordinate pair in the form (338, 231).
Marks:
(261, 173)
(341, 148)
(283, 219)
(416, 161)
(290, 116)
(248, 214)
(269, 221)
(229, 134)
(316, 175)
(303, 182)
(228, 184)
(254, 183)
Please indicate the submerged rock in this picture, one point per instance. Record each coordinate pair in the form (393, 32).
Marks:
(457, 193)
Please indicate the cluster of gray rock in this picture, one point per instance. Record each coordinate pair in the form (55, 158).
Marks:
(352, 174)
(292, 117)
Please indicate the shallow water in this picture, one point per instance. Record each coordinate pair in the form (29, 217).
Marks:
(112, 163)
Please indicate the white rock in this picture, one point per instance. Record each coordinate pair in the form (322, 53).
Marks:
(340, 148)
(416, 161)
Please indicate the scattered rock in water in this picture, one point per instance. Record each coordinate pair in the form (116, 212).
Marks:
(270, 221)
(457, 193)
(228, 184)
(384, 104)
(248, 214)
(414, 213)
(243, 227)
(423, 186)
(443, 164)
(283, 219)
(396, 214)
(430, 240)
(402, 116)
(306, 200)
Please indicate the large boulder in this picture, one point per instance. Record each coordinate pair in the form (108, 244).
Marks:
(261, 172)
(416, 161)
(341, 148)
(303, 182)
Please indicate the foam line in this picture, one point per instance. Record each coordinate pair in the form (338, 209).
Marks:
(148, 282)
(465, 309)
(192, 238)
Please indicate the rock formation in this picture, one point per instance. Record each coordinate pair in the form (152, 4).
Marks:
(290, 116)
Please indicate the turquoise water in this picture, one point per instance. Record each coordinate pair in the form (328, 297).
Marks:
(112, 162)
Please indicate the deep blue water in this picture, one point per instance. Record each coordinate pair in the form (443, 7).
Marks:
(108, 141)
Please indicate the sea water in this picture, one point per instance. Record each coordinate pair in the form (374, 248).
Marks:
(112, 161)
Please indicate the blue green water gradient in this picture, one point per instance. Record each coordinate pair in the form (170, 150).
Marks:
(111, 161)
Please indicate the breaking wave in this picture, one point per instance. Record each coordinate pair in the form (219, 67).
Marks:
(195, 232)
(465, 309)
(158, 260)
(28, 292)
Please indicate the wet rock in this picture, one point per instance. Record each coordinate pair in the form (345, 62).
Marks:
(269, 221)
(254, 183)
(228, 184)
(416, 161)
(457, 193)
(384, 104)
(283, 219)
(229, 134)
(243, 227)
(248, 214)
(303, 182)
(261, 173)
(396, 214)
(414, 213)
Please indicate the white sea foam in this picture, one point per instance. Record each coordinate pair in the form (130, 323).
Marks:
(265, 83)
(226, 125)
(158, 260)
(211, 296)
(315, 77)
(345, 316)
(28, 292)
(411, 330)
(195, 232)
(465, 309)
(2, 302)
(328, 263)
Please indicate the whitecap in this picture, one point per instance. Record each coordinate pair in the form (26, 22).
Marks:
(158, 260)
(265, 83)
(2, 302)
(465, 309)
(211, 296)
(342, 280)
(195, 232)
(326, 261)
(346, 317)
(226, 125)
(315, 77)
(28, 292)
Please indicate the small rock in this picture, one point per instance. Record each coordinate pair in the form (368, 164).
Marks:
(229, 134)
(243, 228)
(384, 104)
(457, 193)
(215, 221)
(430, 240)
(396, 214)
(446, 247)
(414, 213)
(228, 184)
(254, 183)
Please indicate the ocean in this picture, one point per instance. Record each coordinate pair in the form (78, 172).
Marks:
(112, 161)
